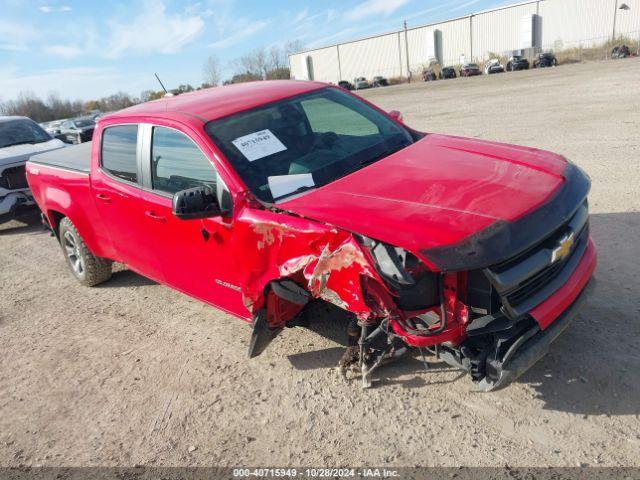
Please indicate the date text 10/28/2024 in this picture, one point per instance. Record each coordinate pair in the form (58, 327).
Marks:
(315, 472)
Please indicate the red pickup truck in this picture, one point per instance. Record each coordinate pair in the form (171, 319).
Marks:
(267, 199)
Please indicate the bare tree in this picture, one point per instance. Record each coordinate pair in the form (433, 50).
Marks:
(211, 71)
(261, 64)
(27, 104)
(294, 46)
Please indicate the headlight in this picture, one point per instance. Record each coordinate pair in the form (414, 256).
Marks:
(414, 284)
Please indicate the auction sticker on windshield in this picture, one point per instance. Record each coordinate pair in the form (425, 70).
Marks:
(258, 145)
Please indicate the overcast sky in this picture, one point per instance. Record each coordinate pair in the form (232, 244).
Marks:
(90, 49)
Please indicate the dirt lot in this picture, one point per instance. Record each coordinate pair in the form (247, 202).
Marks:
(134, 373)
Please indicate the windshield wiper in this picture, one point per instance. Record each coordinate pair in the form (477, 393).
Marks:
(368, 161)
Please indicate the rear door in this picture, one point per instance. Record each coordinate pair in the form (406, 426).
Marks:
(116, 188)
(196, 255)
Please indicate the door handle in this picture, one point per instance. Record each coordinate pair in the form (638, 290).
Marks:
(103, 198)
(155, 217)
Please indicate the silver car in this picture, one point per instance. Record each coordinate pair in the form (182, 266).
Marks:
(20, 137)
(78, 130)
(361, 83)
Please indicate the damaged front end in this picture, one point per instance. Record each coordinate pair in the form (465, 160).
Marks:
(395, 299)
(493, 322)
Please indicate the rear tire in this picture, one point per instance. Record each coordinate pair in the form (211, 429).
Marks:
(88, 269)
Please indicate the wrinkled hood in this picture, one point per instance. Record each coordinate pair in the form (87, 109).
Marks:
(436, 192)
(21, 153)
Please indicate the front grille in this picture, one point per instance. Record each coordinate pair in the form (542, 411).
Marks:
(538, 281)
(527, 279)
(14, 178)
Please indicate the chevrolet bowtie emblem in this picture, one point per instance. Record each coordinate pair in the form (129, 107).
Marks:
(563, 249)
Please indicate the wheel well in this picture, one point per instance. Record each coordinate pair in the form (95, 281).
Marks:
(56, 218)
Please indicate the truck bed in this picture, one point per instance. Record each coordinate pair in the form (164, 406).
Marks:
(75, 157)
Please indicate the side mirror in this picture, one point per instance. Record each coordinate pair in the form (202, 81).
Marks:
(396, 115)
(197, 202)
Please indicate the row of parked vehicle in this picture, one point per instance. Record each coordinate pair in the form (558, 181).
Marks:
(515, 62)
(360, 83)
(72, 130)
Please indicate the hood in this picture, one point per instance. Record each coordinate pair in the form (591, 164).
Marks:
(21, 153)
(436, 192)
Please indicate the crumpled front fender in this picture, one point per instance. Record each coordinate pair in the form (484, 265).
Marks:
(326, 261)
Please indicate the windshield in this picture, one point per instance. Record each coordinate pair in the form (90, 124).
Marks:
(84, 123)
(305, 141)
(18, 132)
(472, 65)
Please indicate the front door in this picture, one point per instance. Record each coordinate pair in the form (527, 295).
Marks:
(196, 255)
(117, 194)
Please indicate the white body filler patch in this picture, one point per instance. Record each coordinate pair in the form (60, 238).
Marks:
(258, 145)
(283, 184)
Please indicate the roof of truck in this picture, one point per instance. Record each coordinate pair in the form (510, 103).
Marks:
(217, 102)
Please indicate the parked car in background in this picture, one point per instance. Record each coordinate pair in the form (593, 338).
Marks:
(545, 59)
(621, 51)
(346, 85)
(448, 72)
(429, 74)
(517, 62)
(53, 129)
(78, 130)
(493, 66)
(470, 70)
(361, 83)
(20, 137)
(379, 82)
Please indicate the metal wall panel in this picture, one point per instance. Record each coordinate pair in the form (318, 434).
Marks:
(421, 47)
(576, 23)
(563, 24)
(456, 40)
(499, 31)
(371, 57)
(628, 21)
(324, 61)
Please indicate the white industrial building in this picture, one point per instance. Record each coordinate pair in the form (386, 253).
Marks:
(539, 24)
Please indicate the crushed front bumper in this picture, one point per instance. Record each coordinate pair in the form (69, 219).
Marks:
(553, 317)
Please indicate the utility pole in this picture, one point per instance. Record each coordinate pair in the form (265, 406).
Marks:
(615, 14)
(406, 49)
(471, 37)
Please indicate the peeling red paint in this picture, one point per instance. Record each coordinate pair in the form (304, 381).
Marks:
(327, 262)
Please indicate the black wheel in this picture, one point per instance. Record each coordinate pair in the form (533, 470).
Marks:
(86, 267)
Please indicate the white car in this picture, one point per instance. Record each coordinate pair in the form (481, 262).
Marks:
(493, 66)
(361, 83)
(20, 138)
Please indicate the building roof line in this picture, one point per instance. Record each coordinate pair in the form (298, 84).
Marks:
(433, 24)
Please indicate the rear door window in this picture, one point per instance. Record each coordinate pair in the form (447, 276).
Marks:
(119, 146)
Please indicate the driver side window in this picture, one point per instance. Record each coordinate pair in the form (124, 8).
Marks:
(177, 163)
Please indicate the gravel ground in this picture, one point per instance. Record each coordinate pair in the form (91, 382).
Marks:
(134, 373)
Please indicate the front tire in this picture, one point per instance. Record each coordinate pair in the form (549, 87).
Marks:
(88, 269)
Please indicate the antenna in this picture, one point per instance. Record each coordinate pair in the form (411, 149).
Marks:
(160, 82)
